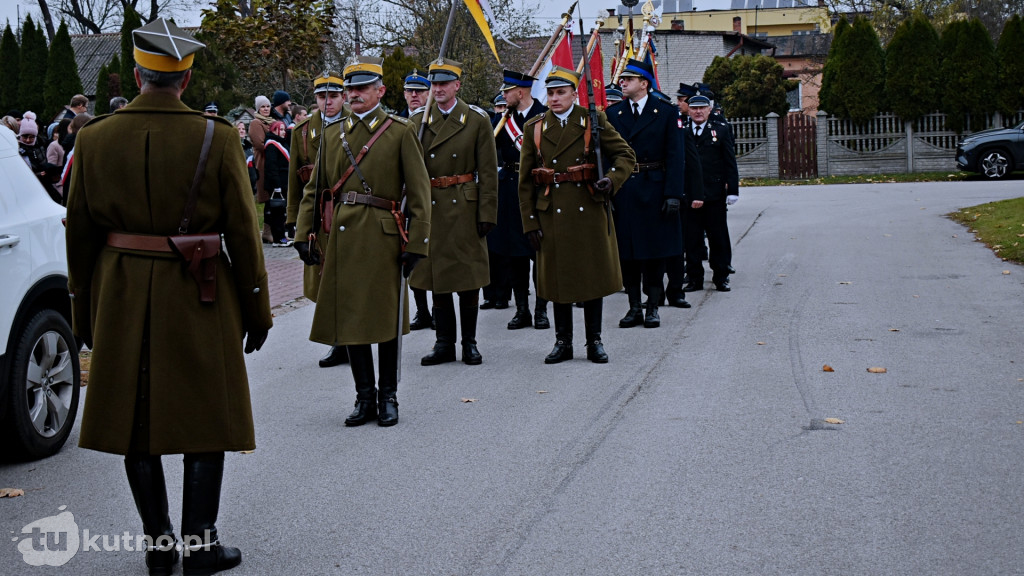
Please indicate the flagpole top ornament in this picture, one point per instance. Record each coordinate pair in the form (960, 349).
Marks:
(602, 15)
(647, 9)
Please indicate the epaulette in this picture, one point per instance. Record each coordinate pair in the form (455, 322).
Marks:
(534, 120)
(398, 118)
(303, 123)
(417, 111)
(479, 111)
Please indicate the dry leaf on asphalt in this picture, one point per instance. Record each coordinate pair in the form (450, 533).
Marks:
(542, 391)
(846, 282)
(469, 399)
(833, 421)
(1006, 271)
(760, 343)
(894, 329)
(877, 370)
(11, 492)
(827, 368)
(246, 451)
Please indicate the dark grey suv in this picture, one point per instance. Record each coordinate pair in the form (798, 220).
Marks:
(992, 153)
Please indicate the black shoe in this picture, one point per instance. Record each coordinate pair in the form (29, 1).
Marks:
(365, 411)
(540, 316)
(471, 356)
(388, 410)
(161, 560)
(487, 304)
(723, 286)
(596, 353)
(210, 559)
(560, 353)
(421, 321)
(693, 287)
(441, 354)
(500, 305)
(730, 269)
(336, 356)
(634, 317)
(678, 301)
(651, 318)
(521, 319)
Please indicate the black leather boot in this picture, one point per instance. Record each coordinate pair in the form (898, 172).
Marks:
(361, 357)
(468, 313)
(563, 335)
(337, 355)
(146, 479)
(635, 316)
(540, 315)
(444, 346)
(592, 311)
(387, 400)
(422, 320)
(204, 555)
(651, 318)
(522, 318)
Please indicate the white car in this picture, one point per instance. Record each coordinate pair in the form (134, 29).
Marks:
(39, 367)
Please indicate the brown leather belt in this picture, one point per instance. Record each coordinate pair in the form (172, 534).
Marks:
(368, 199)
(448, 181)
(580, 173)
(648, 166)
(514, 166)
(144, 242)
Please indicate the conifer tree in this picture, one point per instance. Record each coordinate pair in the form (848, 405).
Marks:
(32, 71)
(826, 99)
(860, 78)
(10, 60)
(102, 105)
(1010, 63)
(968, 73)
(396, 67)
(131, 21)
(114, 77)
(62, 80)
(912, 62)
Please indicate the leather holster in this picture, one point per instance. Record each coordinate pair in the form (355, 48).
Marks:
(200, 253)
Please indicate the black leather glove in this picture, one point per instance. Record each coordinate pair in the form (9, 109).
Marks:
(533, 237)
(254, 339)
(409, 261)
(604, 185)
(310, 258)
(482, 228)
(670, 208)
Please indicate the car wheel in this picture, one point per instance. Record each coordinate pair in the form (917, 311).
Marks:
(44, 387)
(994, 164)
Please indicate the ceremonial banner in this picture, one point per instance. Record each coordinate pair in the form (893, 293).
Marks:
(560, 56)
(597, 79)
(477, 8)
(650, 57)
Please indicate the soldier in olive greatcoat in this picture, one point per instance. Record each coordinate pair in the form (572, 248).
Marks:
(168, 374)
(565, 207)
(458, 148)
(364, 258)
(330, 101)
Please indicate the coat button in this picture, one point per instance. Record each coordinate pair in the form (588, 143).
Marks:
(554, 161)
(455, 155)
(256, 290)
(559, 210)
(531, 216)
(341, 228)
(581, 208)
(425, 240)
(431, 155)
(433, 202)
(454, 200)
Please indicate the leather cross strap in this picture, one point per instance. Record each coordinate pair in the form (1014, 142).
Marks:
(355, 163)
(193, 194)
(449, 181)
(368, 199)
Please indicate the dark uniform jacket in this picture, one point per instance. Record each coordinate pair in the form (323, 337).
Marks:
(717, 150)
(132, 173)
(578, 258)
(461, 144)
(508, 239)
(694, 177)
(357, 302)
(642, 230)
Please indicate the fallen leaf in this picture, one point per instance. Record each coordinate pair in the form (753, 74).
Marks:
(246, 451)
(469, 399)
(760, 343)
(877, 370)
(846, 282)
(894, 329)
(834, 421)
(954, 236)
(11, 492)
(916, 296)
(1005, 272)
(827, 368)
(784, 275)
(542, 391)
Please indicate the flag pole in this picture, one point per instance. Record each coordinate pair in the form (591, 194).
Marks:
(440, 56)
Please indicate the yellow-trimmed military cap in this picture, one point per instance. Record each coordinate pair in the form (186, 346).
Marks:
(364, 70)
(163, 47)
(328, 81)
(444, 70)
(562, 77)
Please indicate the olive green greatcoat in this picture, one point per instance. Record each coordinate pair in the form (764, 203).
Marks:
(358, 298)
(305, 143)
(462, 144)
(132, 173)
(578, 259)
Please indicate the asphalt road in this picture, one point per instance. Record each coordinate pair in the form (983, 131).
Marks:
(702, 448)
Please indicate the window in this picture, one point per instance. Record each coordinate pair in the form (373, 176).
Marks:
(795, 98)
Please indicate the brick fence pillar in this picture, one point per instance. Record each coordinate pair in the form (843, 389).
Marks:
(773, 145)
(821, 142)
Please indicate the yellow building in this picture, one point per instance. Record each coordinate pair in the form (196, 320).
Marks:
(757, 18)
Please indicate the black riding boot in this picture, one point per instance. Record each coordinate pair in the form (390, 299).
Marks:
(422, 319)
(444, 319)
(563, 334)
(468, 312)
(522, 317)
(361, 362)
(540, 315)
(651, 318)
(592, 310)
(635, 316)
(387, 396)
(204, 554)
(146, 479)
(337, 355)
